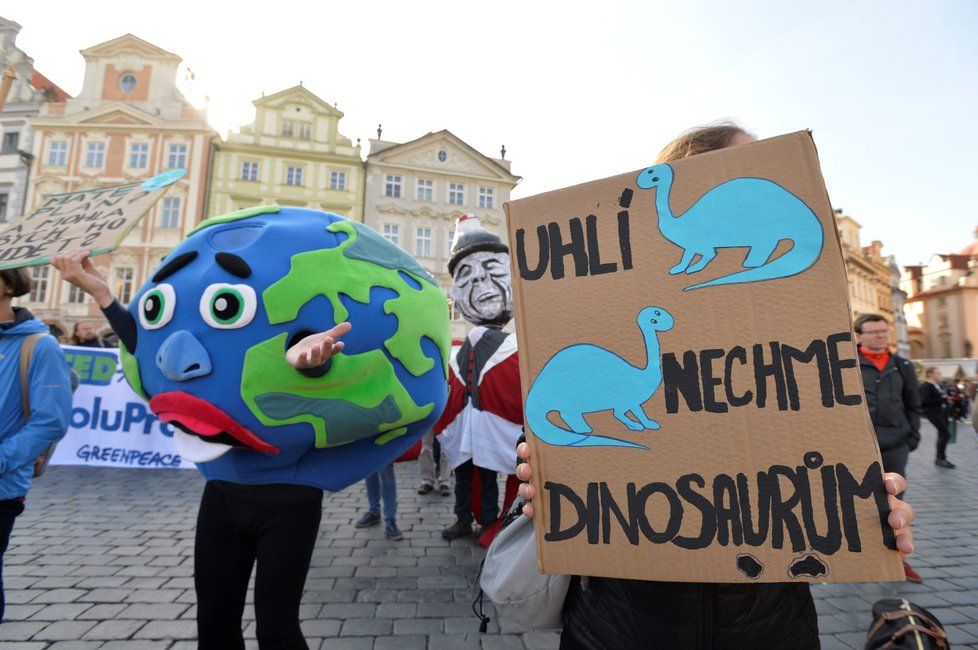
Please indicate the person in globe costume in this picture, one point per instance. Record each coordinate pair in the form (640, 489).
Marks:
(293, 351)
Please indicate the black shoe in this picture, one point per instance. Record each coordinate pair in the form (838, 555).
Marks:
(444, 490)
(425, 488)
(460, 528)
(945, 463)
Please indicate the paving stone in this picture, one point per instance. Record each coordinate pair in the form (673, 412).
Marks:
(64, 631)
(321, 627)
(411, 642)
(20, 630)
(114, 630)
(366, 627)
(168, 630)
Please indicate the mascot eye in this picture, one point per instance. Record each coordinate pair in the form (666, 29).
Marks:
(156, 306)
(228, 306)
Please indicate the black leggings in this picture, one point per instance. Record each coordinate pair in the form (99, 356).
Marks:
(939, 420)
(237, 524)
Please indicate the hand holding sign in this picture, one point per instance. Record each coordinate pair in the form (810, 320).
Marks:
(76, 268)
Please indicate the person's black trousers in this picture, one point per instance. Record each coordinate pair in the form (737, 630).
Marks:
(939, 420)
(237, 525)
(9, 509)
(488, 494)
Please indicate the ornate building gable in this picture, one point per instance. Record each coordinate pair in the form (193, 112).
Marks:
(442, 152)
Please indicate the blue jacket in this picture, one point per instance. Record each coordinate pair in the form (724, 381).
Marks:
(50, 400)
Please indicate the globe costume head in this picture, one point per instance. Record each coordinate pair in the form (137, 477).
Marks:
(215, 321)
(482, 289)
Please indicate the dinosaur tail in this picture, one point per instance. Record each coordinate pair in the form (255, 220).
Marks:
(805, 251)
(550, 433)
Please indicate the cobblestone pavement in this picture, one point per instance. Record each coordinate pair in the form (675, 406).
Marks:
(102, 558)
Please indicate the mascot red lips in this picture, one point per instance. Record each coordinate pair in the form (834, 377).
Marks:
(208, 423)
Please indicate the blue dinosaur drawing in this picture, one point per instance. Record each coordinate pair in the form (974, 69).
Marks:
(752, 213)
(585, 378)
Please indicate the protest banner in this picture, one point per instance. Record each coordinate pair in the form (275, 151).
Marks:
(97, 219)
(111, 426)
(691, 387)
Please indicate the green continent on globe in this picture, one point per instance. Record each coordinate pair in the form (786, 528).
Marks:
(278, 394)
(130, 367)
(355, 267)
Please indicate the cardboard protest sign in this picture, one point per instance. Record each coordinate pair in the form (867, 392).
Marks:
(98, 219)
(691, 387)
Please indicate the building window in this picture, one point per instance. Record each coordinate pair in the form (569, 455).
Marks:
(305, 130)
(337, 180)
(456, 315)
(287, 127)
(393, 186)
(10, 142)
(123, 284)
(3, 206)
(170, 213)
(422, 242)
(177, 158)
(293, 176)
(95, 156)
(40, 291)
(442, 155)
(75, 295)
(58, 154)
(249, 171)
(486, 197)
(451, 240)
(138, 155)
(127, 82)
(391, 233)
(426, 189)
(456, 193)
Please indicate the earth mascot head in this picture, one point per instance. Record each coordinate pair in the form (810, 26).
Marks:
(215, 321)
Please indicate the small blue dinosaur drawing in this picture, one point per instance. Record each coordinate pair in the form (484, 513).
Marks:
(752, 213)
(585, 378)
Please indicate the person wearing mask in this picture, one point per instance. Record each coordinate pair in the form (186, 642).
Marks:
(934, 404)
(633, 614)
(29, 423)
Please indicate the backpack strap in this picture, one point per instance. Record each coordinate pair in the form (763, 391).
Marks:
(26, 354)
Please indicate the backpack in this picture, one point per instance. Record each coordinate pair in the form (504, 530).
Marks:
(26, 354)
(898, 624)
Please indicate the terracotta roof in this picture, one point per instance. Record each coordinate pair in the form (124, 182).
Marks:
(40, 82)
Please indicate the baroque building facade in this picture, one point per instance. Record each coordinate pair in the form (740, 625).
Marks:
(128, 123)
(869, 274)
(292, 154)
(416, 190)
(23, 91)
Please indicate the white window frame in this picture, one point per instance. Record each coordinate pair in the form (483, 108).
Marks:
(253, 167)
(456, 193)
(170, 209)
(305, 131)
(124, 279)
(74, 295)
(141, 156)
(426, 189)
(293, 175)
(40, 276)
(422, 241)
(451, 238)
(95, 151)
(392, 233)
(176, 153)
(392, 185)
(58, 154)
(487, 197)
(288, 129)
(337, 180)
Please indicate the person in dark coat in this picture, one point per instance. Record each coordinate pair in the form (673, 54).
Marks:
(602, 613)
(934, 404)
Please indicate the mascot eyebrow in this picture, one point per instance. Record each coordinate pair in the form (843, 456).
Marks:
(174, 265)
(227, 261)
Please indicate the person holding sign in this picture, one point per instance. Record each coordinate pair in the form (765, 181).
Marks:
(628, 614)
(29, 422)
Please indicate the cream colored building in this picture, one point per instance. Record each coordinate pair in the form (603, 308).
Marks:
(942, 304)
(128, 123)
(416, 190)
(869, 273)
(292, 154)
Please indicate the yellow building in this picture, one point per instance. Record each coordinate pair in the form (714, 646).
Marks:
(871, 277)
(128, 123)
(292, 154)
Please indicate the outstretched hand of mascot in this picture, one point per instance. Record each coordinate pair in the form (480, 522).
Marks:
(238, 348)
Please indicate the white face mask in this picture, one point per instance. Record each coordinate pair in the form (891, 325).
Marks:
(483, 289)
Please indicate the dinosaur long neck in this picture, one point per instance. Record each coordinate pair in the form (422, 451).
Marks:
(667, 220)
(652, 350)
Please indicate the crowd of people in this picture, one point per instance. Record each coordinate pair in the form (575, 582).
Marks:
(477, 440)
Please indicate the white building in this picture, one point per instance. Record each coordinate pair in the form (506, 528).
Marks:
(416, 190)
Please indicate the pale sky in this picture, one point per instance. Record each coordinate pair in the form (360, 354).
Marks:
(579, 91)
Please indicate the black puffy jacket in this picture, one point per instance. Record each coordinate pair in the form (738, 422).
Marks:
(893, 400)
(640, 615)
